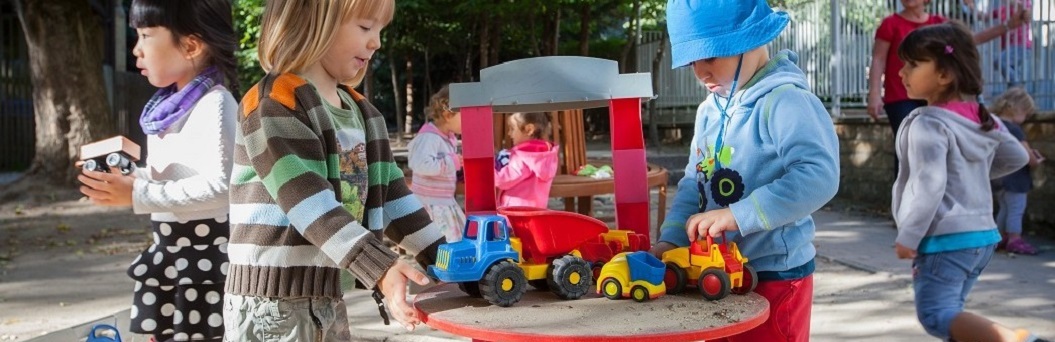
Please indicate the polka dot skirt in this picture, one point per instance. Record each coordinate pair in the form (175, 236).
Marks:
(179, 281)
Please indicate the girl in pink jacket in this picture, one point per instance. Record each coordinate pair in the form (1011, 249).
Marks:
(524, 175)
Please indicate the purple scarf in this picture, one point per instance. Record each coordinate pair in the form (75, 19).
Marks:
(168, 105)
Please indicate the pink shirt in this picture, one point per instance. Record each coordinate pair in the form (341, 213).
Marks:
(893, 29)
(966, 109)
(1022, 36)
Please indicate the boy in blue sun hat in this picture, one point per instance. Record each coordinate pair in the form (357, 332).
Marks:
(764, 155)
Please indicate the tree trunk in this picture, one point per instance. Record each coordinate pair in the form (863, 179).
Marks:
(496, 41)
(485, 42)
(584, 29)
(631, 37)
(400, 113)
(653, 128)
(409, 122)
(532, 16)
(554, 43)
(65, 42)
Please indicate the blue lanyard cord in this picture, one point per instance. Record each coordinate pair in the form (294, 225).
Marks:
(718, 142)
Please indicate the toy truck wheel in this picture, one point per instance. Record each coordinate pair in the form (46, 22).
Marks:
(471, 288)
(749, 283)
(570, 277)
(611, 288)
(639, 293)
(714, 284)
(596, 268)
(503, 284)
(675, 278)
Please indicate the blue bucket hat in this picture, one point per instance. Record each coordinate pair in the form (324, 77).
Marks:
(701, 29)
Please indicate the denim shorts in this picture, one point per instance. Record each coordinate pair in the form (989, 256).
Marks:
(942, 282)
(259, 319)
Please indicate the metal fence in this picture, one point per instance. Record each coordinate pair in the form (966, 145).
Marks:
(834, 39)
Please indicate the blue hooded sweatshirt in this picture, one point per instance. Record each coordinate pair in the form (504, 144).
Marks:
(779, 162)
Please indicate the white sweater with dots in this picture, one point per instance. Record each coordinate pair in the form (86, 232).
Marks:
(188, 166)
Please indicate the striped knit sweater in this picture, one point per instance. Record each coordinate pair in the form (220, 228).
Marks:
(290, 236)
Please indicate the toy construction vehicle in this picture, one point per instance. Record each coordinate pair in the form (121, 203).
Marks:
(117, 152)
(637, 275)
(715, 269)
(502, 254)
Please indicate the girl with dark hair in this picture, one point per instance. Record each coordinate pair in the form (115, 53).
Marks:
(942, 202)
(186, 48)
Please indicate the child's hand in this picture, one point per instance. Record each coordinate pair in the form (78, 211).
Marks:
(661, 247)
(110, 189)
(1040, 157)
(711, 223)
(904, 252)
(394, 286)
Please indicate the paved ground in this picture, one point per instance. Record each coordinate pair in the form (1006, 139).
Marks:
(862, 292)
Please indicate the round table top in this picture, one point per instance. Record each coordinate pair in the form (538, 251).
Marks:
(541, 316)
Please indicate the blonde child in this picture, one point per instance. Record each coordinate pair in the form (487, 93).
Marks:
(526, 173)
(435, 161)
(949, 150)
(764, 156)
(314, 179)
(187, 50)
(1014, 107)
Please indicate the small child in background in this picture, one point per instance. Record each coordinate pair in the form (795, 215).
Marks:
(949, 150)
(1014, 107)
(434, 158)
(526, 176)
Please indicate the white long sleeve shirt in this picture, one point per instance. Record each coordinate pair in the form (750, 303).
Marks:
(188, 166)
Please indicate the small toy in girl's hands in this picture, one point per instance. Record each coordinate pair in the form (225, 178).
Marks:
(502, 159)
(118, 152)
(103, 333)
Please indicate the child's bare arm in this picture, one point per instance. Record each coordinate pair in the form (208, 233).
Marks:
(875, 77)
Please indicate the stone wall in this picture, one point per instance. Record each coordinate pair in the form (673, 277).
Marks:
(867, 154)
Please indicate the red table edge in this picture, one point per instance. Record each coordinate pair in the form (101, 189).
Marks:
(478, 334)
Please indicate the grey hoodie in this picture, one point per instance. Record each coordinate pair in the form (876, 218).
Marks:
(947, 161)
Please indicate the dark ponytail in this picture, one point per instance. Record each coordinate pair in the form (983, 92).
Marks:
(987, 120)
(208, 20)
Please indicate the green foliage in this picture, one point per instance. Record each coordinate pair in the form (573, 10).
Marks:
(442, 38)
(247, 15)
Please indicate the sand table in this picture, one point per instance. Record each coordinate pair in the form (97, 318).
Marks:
(542, 315)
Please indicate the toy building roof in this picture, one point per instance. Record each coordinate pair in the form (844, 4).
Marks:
(550, 83)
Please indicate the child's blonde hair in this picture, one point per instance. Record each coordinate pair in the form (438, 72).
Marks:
(439, 105)
(294, 34)
(1014, 98)
(540, 120)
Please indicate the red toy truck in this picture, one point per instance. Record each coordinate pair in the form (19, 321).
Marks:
(501, 254)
